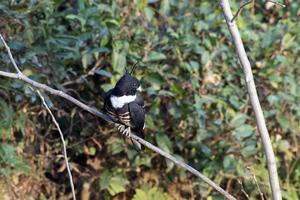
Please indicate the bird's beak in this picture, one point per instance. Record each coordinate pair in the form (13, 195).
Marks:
(139, 89)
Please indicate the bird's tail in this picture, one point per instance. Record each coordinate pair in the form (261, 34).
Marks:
(138, 146)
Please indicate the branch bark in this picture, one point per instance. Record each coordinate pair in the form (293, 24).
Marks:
(19, 75)
(260, 120)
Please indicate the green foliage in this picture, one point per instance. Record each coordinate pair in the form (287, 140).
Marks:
(113, 181)
(147, 193)
(10, 120)
(9, 160)
(196, 100)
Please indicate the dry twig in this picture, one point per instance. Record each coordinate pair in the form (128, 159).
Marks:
(256, 183)
(63, 142)
(20, 74)
(96, 112)
(276, 3)
(260, 120)
(241, 8)
(252, 1)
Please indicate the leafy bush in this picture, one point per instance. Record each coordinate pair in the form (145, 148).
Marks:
(197, 105)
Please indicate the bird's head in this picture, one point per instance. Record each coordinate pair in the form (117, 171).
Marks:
(127, 85)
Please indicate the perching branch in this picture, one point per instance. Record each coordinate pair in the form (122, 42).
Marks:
(63, 142)
(260, 120)
(19, 75)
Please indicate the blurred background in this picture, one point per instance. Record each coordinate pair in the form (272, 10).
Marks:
(196, 100)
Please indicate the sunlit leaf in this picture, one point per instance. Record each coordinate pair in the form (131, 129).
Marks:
(155, 56)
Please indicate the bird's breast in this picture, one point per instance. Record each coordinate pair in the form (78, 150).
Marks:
(119, 102)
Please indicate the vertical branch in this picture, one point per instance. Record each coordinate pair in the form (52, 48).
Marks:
(20, 75)
(260, 121)
(63, 142)
(10, 55)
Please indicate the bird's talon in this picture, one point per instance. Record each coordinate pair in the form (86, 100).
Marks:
(127, 132)
(120, 127)
(123, 130)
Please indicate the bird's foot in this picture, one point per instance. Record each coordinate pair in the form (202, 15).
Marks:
(127, 132)
(123, 130)
(120, 127)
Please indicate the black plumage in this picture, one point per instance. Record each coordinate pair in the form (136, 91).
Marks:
(125, 104)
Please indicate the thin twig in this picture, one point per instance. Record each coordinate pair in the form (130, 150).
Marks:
(256, 183)
(10, 55)
(242, 188)
(241, 8)
(20, 74)
(276, 3)
(63, 142)
(251, 88)
(105, 117)
(252, 1)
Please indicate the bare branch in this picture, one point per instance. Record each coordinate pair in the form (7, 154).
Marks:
(105, 117)
(63, 142)
(243, 189)
(276, 3)
(252, 1)
(10, 55)
(18, 75)
(241, 8)
(260, 120)
(256, 183)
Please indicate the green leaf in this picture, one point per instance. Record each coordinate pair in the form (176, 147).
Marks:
(155, 56)
(164, 7)
(103, 73)
(92, 151)
(116, 146)
(113, 181)
(249, 149)
(243, 132)
(238, 120)
(155, 80)
(229, 163)
(76, 17)
(140, 195)
(149, 13)
(150, 194)
(163, 142)
(119, 61)
(86, 60)
(270, 37)
(99, 50)
(142, 160)
(284, 121)
(116, 185)
(8, 157)
(105, 179)
(291, 193)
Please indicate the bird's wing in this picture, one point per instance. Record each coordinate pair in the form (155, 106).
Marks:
(137, 114)
(139, 99)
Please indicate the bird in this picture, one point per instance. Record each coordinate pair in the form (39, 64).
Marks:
(125, 105)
